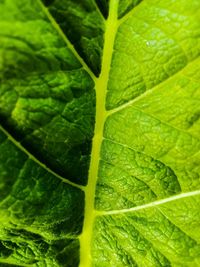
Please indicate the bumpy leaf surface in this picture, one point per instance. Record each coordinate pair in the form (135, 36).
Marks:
(99, 133)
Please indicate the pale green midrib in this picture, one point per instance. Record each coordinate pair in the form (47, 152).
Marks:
(101, 89)
(151, 90)
(66, 40)
(33, 158)
(149, 205)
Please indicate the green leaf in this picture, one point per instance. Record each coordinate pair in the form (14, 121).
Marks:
(99, 133)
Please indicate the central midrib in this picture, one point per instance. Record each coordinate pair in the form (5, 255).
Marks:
(101, 114)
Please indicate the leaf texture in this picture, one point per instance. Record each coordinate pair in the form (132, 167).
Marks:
(99, 133)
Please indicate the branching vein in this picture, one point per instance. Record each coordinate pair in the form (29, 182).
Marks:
(150, 205)
(101, 89)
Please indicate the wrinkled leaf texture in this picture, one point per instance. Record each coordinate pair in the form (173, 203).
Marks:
(99, 133)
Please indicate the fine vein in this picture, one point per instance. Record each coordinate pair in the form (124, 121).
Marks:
(98, 10)
(10, 262)
(101, 88)
(129, 13)
(151, 90)
(66, 40)
(150, 205)
(32, 157)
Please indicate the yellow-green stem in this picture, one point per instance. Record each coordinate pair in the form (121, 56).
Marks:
(101, 89)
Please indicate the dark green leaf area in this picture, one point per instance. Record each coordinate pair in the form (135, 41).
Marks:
(40, 216)
(103, 6)
(47, 100)
(37, 252)
(76, 18)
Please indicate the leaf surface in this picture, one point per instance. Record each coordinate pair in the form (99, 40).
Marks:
(99, 133)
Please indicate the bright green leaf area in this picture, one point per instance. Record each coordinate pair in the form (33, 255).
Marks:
(100, 133)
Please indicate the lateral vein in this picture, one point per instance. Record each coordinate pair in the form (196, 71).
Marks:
(151, 90)
(66, 40)
(149, 205)
(32, 157)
